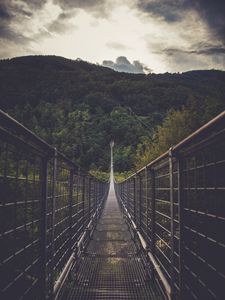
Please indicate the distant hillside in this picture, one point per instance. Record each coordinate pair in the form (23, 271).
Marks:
(80, 107)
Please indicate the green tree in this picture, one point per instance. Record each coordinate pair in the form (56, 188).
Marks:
(177, 125)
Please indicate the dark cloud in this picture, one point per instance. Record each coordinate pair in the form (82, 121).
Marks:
(35, 4)
(4, 13)
(12, 11)
(61, 24)
(12, 14)
(7, 33)
(211, 11)
(79, 3)
(209, 50)
(212, 51)
(169, 10)
(200, 56)
(122, 64)
(116, 45)
(9, 9)
(99, 8)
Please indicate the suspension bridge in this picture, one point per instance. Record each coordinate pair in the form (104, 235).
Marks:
(160, 234)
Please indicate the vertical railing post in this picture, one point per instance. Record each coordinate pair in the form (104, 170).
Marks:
(71, 175)
(180, 216)
(152, 212)
(95, 200)
(128, 195)
(125, 193)
(140, 199)
(54, 182)
(97, 197)
(96, 193)
(131, 195)
(134, 206)
(83, 200)
(122, 191)
(171, 176)
(43, 227)
(99, 193)
(146, 202)
(89, 199)
(76, 198)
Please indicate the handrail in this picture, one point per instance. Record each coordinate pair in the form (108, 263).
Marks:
(79, 247)
(13, 124)
(47, 208)
(149, 254)
(171, 202)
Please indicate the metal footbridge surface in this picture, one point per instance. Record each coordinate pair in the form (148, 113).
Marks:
(111, 267)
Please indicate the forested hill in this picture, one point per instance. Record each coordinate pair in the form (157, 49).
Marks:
(80, 107)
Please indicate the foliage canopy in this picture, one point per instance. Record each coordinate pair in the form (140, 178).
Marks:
(80, 107)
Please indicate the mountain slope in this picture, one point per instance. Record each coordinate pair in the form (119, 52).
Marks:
(80, 107)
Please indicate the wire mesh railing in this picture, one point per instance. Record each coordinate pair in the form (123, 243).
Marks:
(176, 206)
(48, 209)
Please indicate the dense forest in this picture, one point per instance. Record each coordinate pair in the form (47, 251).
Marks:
(80, 107)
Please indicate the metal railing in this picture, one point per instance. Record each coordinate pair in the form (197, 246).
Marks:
(48, 210)
(176, 207)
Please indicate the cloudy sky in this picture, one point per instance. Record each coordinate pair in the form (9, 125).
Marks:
(127, 35)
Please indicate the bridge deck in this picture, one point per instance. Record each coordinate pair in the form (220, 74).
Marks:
(111, 267)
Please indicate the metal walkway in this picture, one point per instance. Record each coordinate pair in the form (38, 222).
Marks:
(111, 267)
(63, 233)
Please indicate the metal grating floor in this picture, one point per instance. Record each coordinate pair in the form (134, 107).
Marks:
(111, 268)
